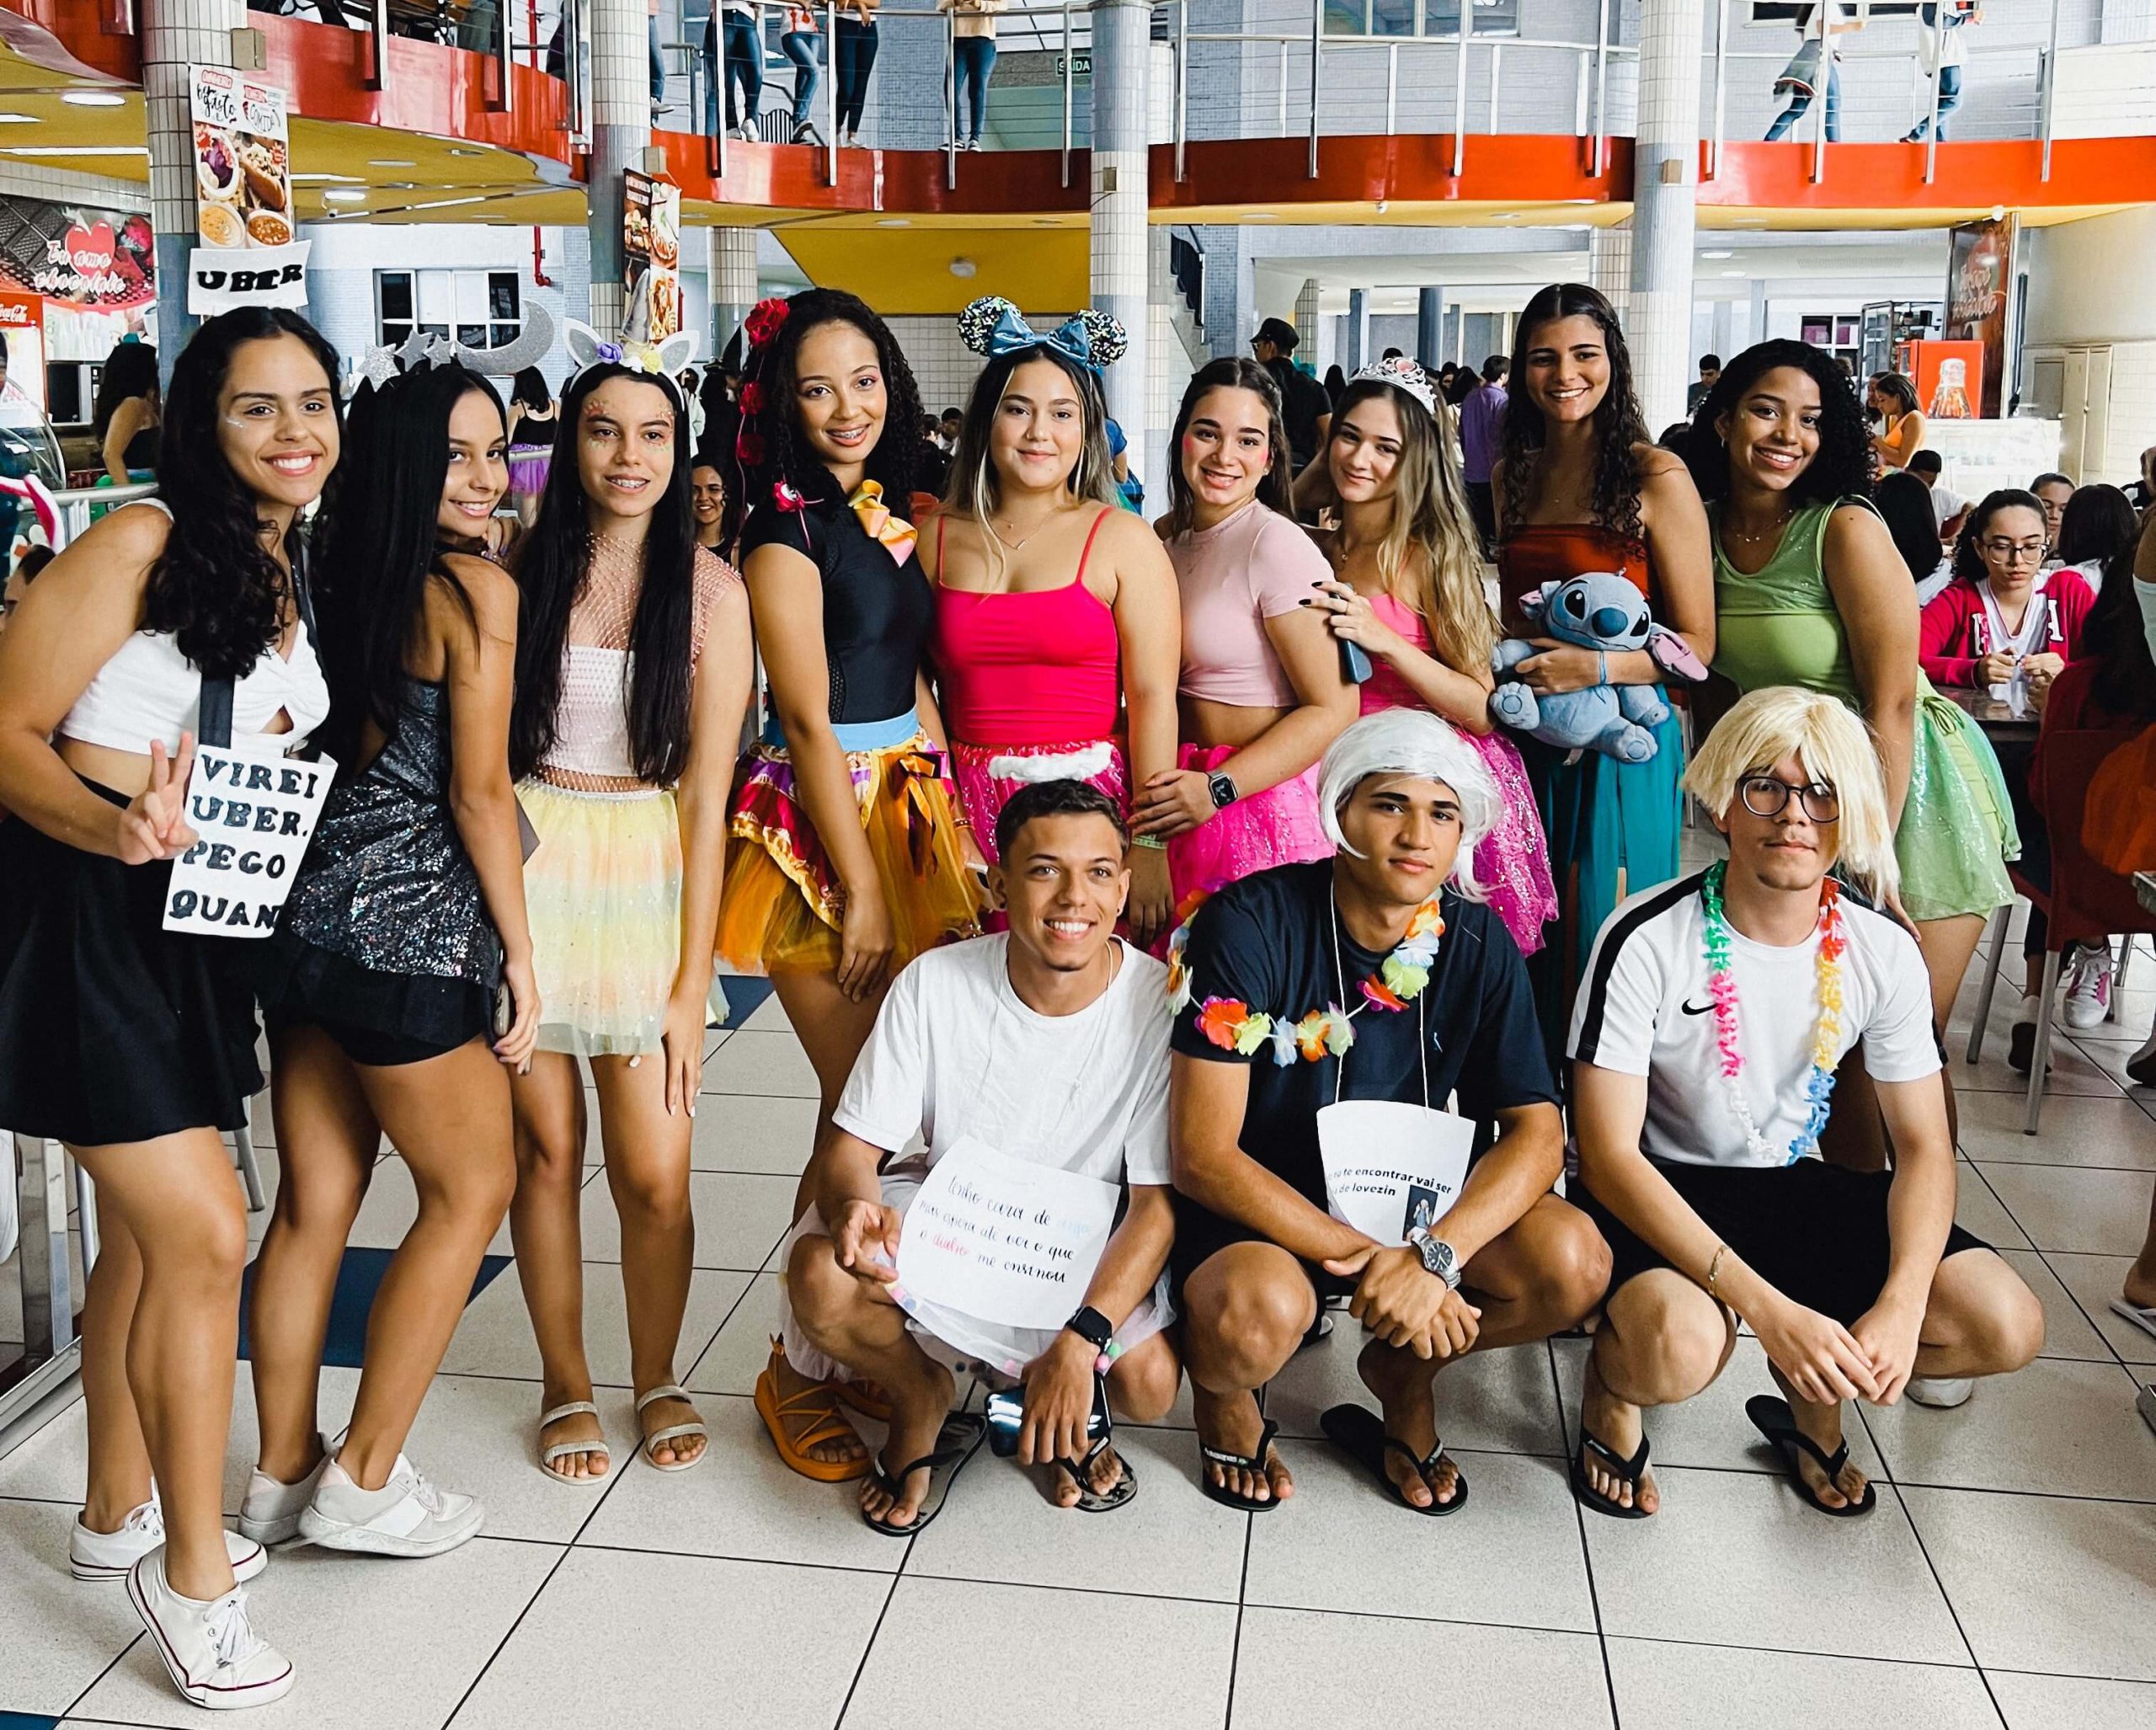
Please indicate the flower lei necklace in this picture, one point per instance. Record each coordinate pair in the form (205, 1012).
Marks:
(1234, 1026)
(1826, 1032)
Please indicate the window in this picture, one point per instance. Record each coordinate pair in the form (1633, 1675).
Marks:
(481, 309)
(1427, 18)
(1491, 17)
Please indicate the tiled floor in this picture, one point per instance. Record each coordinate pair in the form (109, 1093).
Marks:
(2009, 1576)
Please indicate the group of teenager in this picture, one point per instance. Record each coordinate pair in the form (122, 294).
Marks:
(1126, 849)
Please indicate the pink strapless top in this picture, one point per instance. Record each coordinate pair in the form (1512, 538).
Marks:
(1384, 689)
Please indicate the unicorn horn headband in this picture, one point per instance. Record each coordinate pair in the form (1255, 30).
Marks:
(993, 326)
(657, 361)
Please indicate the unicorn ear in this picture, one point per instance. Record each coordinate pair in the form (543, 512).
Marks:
(675, 353)
(581, 341)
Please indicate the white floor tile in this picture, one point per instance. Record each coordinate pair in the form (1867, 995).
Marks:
(1736, 1559)
(768, 1017)
(2067, 1331)
(2045, 1583)
(953, 1653)
(732, 1362)
(2072, 1073)
(1511, 1554)
(377, 1645)
(1503, 1401)
(2047, 1702)
(59, 1633)
(1976, 1209)
(771, 1063)
(635, 1640)
(2075, 1130)
(1677, 1687)
(2060, 1207)
(749, 1132)
(1297, 1668)
(2064, 1427)
(494, 1337)
(739, 1216)
(2095, 1282)
(742, 1501)
(1169, 1541)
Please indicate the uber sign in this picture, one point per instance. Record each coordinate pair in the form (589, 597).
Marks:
(222, 278)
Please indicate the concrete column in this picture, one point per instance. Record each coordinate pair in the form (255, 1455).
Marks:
(1658, 321)
(1358, 329)
(176, 33)
(1309, 320)
(733, 277)
(1430, 328)
(1122, 31)
(621, 133)
(1171, 371)
(1609, 263)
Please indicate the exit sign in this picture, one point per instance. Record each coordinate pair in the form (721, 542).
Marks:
(1082, 65)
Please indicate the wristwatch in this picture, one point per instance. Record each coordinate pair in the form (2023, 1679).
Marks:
(1090, 1325)
(1223, 790)
(1438, 1256)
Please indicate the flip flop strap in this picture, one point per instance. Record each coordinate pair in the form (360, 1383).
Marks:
(1427, 1464)
(1830, 1464)
(932, 1462)
(1243, 1462)
(1627, 1471)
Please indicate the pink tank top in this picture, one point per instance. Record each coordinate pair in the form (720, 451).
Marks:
(1233, 577)
(1031, 667)
(1384, 689)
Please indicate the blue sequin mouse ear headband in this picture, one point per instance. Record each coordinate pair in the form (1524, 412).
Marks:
(993, 326)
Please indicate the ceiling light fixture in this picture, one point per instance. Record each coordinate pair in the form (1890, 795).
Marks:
(1723, 252)
(894, 222)
(344, 194)
(15, 120)
(460, 151)
(962, 268)
(92, 98)
(76, 150)
(389, 162)
(331, 180)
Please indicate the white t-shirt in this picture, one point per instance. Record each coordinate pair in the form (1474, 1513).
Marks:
(955, 1052)
(1645, 1011)
(1946, 503)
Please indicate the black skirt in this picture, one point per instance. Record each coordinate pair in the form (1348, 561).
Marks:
(375, 1017)
(112, 1030)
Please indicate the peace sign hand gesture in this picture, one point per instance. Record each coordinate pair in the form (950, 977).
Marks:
(154, 824)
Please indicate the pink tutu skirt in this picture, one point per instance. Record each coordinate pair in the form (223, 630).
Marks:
(1279, 826)
(1513, 861)
(528, 465)
(987, 775)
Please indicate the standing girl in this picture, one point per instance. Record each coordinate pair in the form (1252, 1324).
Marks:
(533, 417)
(1055, 608)
(126, 418)
(378, 984)
(1406, 587)
(1579, 488)
(634, 671)
(855, 58)
(845, 859)
(132, 1044)
(1261, 694)
(1893, 400)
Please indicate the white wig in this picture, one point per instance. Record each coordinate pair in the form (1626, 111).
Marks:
(1406, 741)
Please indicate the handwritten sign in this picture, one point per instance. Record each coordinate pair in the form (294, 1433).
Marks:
(1390, 1166)
(253, 818)
(1003, 1239)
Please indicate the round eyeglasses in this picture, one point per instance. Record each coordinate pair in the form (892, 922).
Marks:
(1765, 795)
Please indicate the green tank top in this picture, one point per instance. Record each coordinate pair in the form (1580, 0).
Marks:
(1778, 625)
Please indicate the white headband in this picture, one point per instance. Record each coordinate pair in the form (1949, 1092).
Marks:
(1412, 742)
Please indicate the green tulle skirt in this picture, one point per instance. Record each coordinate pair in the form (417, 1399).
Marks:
(1957, 829)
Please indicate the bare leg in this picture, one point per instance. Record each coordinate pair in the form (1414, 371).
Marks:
(545, 1230)
(1980, 1320)
(1662, 1339)
(1142, 1387)
(1246, 1311)
(326, 1139)
(2140, 1277)
(180, 1201)
(119, 1458)
(648, 1171)
(449, 1117)
(1948, 944)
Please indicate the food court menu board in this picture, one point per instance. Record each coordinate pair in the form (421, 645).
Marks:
(249, 251)
(651, 256)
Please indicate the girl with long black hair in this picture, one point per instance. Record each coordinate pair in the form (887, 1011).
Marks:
(132, 1044)
(634, 671)
(845, 859)
(125, 418)
(378, 984)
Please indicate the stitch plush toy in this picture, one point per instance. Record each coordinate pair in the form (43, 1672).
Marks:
(1595, 609)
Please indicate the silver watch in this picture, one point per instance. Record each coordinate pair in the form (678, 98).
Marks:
(1438, 1256)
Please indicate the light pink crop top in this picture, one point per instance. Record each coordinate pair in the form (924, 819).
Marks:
(1233, 576)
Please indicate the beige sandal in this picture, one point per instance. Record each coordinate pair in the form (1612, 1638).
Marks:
(672, 1432)
(549, 1452)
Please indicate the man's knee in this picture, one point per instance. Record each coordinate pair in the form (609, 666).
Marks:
(1664, 1339)
(1994, 1318)
(1571, 1267)
(821, 1293)
(1249, 1321)
(1142, 1385)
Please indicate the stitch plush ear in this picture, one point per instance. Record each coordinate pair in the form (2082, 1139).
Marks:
(582, 341)
(1674, 654)
(1531, 604)
(675, 352)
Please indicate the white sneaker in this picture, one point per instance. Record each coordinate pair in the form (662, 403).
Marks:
(108, 1555)
(2088, 988)
(270, 1513)
(211, 1650)
(1942, 1393)
(407, 1516)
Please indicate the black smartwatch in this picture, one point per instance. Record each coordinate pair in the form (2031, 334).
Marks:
(1090, 1325)
(1223, 790)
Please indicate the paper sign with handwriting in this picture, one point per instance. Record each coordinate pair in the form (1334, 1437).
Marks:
(1002, 1239)
(253, 818)
(1390, 1166)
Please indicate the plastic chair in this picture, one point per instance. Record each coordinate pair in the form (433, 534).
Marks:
(2084, 904)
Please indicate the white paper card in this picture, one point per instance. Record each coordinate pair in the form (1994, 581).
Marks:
(1002, 1239)
(252, 817)
(1388, 1166)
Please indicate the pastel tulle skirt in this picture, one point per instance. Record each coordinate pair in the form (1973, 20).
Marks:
(528, 467)
(987, 775)
(1279, 826)
(603, 891)
(1511, 863)
(783, 905)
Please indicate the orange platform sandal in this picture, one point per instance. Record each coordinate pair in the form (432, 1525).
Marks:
(799, 1421)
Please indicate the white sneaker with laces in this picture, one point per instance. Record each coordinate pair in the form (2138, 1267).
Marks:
(210, 1649)
(2088, 988)
(408, 1516)
(1942, 1393)
(270, 1513)
(108, 1555)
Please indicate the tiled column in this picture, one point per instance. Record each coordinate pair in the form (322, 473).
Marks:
(1609, 263)
(620, 132)
(1430, 327)
(1307, 318)
(1122, 30)
(1658, 321)
(176, 33)
(733, 266)
(1358, 329)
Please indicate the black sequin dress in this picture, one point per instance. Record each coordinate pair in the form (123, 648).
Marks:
(385, 942)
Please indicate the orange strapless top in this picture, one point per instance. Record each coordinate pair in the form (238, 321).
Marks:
(1551, 553)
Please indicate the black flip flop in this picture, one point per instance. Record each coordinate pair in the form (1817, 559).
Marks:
(1320, 1331)
(1080, 1472)
(1254, 1461)
(961, 1435)
(1628, 1471)
(1360, 1434)
(1772, 1418)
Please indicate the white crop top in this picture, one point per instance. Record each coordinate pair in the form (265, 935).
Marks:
(591, 722)
(149, 690)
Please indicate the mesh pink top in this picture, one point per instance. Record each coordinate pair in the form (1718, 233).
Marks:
(1234, 577)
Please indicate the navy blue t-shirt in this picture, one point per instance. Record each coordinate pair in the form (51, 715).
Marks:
(1265, 942)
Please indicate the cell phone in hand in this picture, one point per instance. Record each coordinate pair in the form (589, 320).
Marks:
(1354, 664)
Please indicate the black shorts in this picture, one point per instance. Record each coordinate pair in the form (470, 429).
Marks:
(1815, 1232)
(377, 1018)
(1201, 1233)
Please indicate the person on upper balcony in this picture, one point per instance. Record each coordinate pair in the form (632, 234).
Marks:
(1817, 61)
(1940, 48)
(973, 51)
